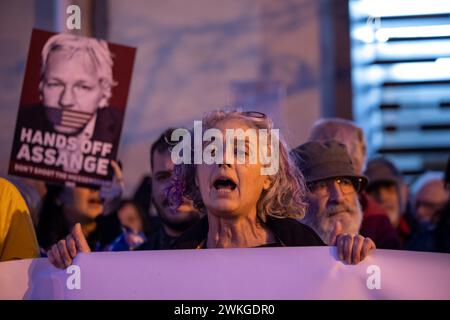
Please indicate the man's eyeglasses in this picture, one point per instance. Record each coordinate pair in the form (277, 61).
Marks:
(346, 185)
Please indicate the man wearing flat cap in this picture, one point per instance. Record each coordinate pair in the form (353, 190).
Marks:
(375, 223)
(332, 191)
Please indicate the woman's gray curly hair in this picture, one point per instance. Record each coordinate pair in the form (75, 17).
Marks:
(285, 196)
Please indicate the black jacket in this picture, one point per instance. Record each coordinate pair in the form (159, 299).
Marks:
(289, 233)
(158, 240)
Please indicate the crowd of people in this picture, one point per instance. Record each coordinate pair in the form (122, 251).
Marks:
(324, 193)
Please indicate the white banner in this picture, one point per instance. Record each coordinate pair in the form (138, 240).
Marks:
(262, 273)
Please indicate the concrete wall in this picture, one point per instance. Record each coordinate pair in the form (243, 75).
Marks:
(16, 22)
(197, 55)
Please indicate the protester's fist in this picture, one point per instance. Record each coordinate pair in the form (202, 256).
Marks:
(351, 249)
(62, 253)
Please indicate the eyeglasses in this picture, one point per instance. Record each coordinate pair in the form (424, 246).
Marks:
(346, 185)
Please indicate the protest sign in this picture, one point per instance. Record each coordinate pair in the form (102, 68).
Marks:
(262, 273)
(71, 109)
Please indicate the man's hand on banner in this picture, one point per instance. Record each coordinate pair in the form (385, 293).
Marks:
(112, 194)
(61, 254)
(351, 248)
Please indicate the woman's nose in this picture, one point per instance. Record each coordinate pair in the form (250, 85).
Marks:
(228, 159)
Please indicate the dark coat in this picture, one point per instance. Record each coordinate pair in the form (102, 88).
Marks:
(289, 233)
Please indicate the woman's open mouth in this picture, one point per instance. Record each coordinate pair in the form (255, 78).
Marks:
(224, 185)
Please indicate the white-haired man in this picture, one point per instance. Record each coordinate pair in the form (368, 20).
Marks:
(332, 194)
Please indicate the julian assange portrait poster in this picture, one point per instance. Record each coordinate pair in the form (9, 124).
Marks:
(71, 109)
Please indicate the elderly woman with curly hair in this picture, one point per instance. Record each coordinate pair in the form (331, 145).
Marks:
(242, 207)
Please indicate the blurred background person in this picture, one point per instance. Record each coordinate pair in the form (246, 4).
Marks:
(64, 207)
(387, 187)
(135, 227)
(443, 225)
(375, 222)
(429, 198)
(17, 236)
(432, 206)
(87, 209)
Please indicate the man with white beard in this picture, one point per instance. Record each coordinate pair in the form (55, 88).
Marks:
(332, 190)
(375, 223)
